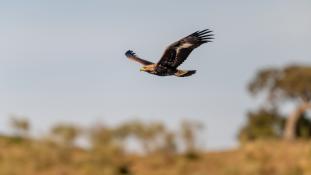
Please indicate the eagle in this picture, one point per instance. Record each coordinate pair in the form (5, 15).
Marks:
(174, 55)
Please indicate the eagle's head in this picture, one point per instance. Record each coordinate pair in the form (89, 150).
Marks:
(149, 68)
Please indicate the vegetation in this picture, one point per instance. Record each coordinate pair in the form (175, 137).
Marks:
(262, 124)
(20, 126)
(107, 153)
(37, 157)
(291, 83)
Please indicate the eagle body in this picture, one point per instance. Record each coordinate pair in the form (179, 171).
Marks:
(174, 55)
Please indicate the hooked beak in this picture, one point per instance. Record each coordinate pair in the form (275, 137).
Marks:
(142, 69)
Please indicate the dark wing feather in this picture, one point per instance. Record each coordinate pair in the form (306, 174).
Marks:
(132, 56)
(178, 52)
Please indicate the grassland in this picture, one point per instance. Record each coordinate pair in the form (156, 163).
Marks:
(30, 157)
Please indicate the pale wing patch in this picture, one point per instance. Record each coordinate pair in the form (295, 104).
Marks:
(186, 45)
(183, 46)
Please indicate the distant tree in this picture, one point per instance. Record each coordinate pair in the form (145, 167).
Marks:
(303, 129)
(269, 124)
(66, 134)
(188, 133)
(100, 135)
(151, 136)
(20, 125)
(292, 83)
(106, 141)
(170, 146)
(147, 134)
(262, 124)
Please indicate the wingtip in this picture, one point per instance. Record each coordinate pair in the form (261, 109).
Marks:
(206, 35)
(129, 53)
(205, 31)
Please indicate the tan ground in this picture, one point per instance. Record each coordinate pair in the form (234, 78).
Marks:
(260, 158)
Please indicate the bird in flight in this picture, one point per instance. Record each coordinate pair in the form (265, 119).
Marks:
(174, 55)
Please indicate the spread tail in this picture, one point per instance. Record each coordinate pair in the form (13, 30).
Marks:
(184, 73)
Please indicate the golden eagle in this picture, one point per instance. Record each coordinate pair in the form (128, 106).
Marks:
(174, 55)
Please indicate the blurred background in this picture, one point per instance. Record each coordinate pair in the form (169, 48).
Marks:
(71, 102)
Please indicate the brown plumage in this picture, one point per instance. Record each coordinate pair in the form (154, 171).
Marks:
(174, 55)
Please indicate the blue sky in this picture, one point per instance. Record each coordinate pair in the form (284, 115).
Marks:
(64, 60)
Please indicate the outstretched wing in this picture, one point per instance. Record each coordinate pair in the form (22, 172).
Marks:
(132, 56)
(178, 52)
